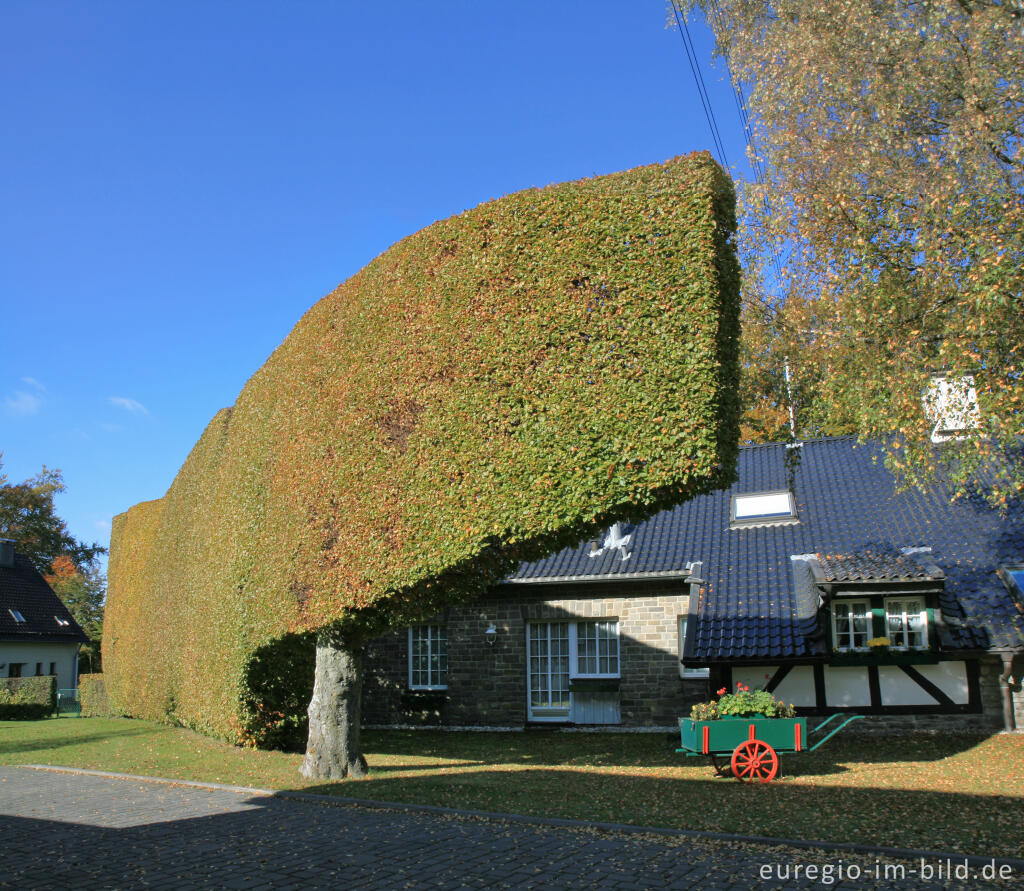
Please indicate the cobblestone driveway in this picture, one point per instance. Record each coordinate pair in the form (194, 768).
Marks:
(67, 831)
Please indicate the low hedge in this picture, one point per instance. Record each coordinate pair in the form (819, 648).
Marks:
(92, 694)
(27, 699)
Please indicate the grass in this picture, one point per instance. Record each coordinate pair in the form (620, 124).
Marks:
(953, 793)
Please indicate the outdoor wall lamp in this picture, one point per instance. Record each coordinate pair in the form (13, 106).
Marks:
(491, 634)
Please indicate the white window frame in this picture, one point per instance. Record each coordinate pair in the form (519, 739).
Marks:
(688, 674)
(779, 508)
(433, 640)
(905, 616)
(549, 712)
(541, 714)
(846, 605)
(574, 651)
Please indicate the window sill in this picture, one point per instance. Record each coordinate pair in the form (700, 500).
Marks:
(594, 685)
(885, 657)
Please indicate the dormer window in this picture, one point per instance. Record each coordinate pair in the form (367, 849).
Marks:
(17, 616)
(851, 625)
(952, 404)
(762, 509)
(898, 623)
(907, 623)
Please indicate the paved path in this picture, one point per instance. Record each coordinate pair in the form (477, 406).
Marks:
(68, 831)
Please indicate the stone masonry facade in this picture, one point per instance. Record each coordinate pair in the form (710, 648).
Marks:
(487, 683)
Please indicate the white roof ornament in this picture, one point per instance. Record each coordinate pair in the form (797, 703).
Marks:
(614, 540)
(952, 404)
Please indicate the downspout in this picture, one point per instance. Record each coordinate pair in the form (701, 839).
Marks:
(1006, 682)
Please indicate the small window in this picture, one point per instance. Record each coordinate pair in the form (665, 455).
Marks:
(14, 669)
(39, 669)
(684, 672)
(597, 649)
(53, 669)
(906, 623)
(762, 508)
(851, 625)
(428, 657)
(17, 616)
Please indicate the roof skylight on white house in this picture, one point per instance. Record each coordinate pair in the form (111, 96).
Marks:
(762, 509)
(17, 616)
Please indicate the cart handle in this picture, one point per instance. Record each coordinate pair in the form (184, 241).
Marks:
(849, 720)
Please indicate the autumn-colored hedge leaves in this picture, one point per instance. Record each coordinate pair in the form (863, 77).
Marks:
(497, 385)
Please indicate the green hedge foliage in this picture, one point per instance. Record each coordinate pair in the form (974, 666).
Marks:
(498, 385)
(27, 699)
(92, 694)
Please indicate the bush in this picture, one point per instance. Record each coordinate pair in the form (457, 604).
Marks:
(27, 699)
(744, 703)
(92, 694)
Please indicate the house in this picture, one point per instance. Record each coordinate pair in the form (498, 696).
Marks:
(812, 576)
(38, 636)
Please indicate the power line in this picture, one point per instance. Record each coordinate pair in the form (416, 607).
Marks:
(705, 100)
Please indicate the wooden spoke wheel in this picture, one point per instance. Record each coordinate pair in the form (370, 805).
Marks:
(755, 760)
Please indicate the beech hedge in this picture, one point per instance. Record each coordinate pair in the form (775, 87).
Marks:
(92, 693)
(496, 386)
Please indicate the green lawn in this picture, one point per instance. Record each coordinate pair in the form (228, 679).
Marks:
(946, 792)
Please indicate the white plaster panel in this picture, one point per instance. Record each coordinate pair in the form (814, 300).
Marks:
(798, 687)
(898, 688)
(847, 686)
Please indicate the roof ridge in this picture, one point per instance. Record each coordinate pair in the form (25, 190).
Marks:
(803, 441)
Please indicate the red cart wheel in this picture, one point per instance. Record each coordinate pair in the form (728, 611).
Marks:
(755, 760)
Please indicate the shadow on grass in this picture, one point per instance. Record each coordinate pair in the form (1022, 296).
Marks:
(33, 739)
(944, 821)
(649, 749)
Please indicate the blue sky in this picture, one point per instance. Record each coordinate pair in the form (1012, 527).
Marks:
(182, 181)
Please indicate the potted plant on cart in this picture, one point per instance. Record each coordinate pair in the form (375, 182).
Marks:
(751, 725)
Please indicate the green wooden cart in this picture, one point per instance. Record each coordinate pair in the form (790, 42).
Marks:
(752, 745)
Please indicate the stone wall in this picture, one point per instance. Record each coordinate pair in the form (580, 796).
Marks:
(487, 683)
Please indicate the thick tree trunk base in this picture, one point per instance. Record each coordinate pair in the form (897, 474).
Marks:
(333, 752)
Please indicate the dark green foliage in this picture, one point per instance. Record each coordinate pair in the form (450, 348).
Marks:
(278, 686)
(27, 699)
(495, 386)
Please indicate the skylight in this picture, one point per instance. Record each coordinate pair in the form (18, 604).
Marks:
(18, 617)
(762, 509)
(62, 622)
(1013, 578)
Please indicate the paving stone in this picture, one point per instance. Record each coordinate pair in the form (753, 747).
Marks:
(87, 832)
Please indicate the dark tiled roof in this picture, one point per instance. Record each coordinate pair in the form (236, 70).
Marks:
(24, 590)
(880, 566)
(757, 602)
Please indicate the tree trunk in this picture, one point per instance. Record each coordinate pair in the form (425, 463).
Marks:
(332, 752)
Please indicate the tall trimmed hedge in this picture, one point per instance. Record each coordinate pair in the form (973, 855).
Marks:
(495, 386)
